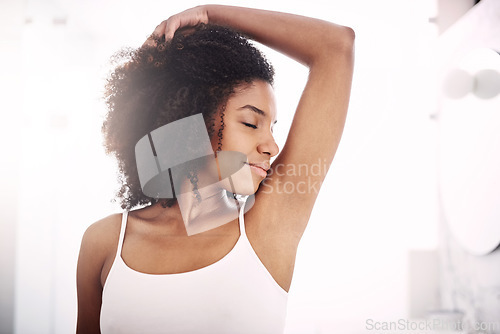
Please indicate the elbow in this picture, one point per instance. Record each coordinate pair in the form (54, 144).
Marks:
(350, 35)
(337, 45)
(341, 43)
(339, 38)
(334, 42)
(343, 40)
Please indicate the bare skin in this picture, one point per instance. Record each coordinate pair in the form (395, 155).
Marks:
(156, 239)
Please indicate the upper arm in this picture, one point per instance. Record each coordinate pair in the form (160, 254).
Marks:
(320, 116)
(299, 170)
(95, 247)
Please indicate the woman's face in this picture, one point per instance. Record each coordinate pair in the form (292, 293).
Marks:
(249, 119)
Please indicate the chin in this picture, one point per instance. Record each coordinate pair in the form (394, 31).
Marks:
(241, 188)
(243, 182)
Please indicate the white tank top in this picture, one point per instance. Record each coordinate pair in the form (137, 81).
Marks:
(234, 295)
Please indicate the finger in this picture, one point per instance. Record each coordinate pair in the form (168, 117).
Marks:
(159, 30)
(171, 27)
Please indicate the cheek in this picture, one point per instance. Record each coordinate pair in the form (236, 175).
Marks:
(234, 140)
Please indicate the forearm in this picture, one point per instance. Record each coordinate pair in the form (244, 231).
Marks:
(305, 39)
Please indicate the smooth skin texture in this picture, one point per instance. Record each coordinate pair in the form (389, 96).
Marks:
(249, 118)
(156, 240)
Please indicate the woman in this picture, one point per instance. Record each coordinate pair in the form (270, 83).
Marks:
(140, 272)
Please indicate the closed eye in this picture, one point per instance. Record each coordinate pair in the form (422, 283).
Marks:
(250, 125)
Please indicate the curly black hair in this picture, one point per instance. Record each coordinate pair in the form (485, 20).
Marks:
(195, 72)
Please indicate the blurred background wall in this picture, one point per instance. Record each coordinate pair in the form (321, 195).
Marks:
(469, 191)
(377, 247)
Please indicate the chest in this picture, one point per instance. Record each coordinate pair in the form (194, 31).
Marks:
(159, 252)
(226, 297)
(170, 254)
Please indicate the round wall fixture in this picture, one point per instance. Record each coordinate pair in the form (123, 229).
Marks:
(469, 151)
(458, 83)
(477, 73)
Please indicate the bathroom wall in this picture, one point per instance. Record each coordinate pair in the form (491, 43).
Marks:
(470, 283)
(10, 108)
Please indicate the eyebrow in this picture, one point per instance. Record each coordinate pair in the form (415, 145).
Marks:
(256, 110)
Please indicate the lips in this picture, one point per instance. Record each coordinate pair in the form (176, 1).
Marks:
(260, 168)
(262, 165)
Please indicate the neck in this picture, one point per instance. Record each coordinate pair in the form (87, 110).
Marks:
(212, 208)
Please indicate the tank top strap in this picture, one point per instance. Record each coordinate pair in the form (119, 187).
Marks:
(245, 204)
(241, 215)
(122, 233)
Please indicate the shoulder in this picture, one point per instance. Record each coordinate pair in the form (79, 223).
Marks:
(98, 243)
(100, 231)
(102, 236)
(103, 232)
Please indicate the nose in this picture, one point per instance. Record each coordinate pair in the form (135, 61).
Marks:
(268, 145)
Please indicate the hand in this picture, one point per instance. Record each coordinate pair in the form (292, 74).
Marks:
(188, 18)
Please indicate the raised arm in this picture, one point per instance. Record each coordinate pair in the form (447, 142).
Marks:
(327, 50)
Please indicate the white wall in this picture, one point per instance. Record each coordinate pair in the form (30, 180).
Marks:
(11, 94)
(471, 283)
(377, 203)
